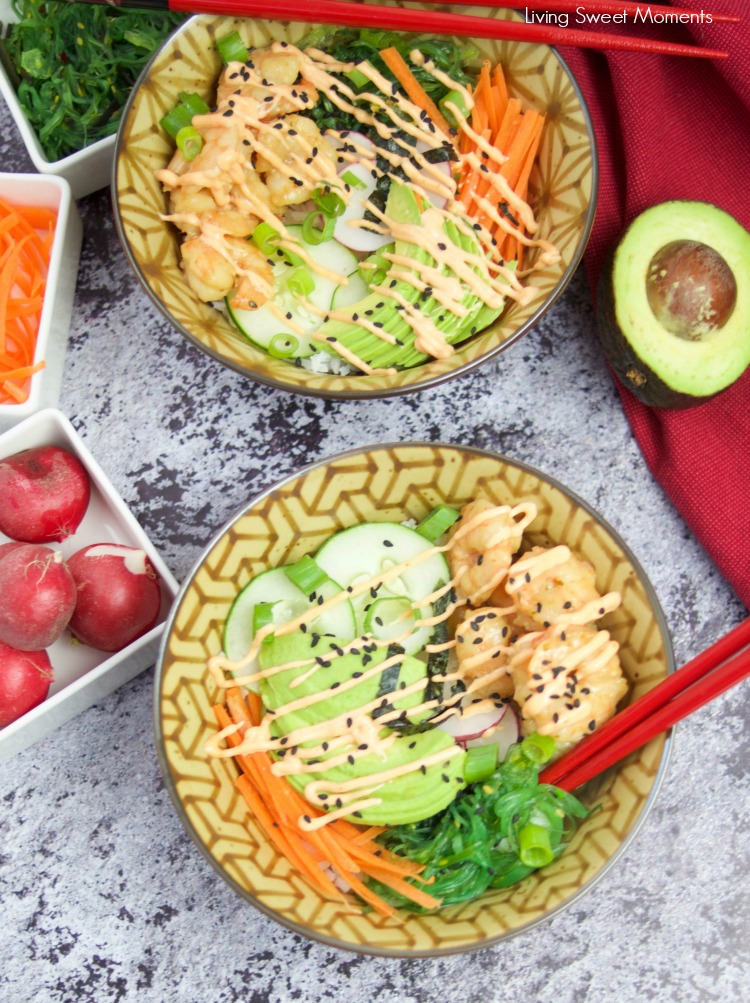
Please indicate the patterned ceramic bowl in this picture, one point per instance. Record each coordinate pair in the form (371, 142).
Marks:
(563, 193)
(393, 482)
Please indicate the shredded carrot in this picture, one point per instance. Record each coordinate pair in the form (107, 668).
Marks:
(414, 90)
(516, 134)
(344, 848)
(26, 234)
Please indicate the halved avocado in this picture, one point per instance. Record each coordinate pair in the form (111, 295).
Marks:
(673, 304)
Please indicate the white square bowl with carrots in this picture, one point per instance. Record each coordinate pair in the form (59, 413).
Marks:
(40, 247)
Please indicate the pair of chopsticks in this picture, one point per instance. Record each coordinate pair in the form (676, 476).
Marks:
(366, 15)
(707, 676)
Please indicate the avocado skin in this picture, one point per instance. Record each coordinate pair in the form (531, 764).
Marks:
(630, 369)
(642, 380)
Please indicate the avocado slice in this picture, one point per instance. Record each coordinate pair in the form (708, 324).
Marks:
(410, 797)
(673, 304)
(386, 313)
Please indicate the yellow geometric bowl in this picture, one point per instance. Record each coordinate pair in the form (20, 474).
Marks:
(562, 191)
(393, 482)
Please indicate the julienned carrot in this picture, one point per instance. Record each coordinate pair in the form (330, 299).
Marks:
(516, 134)
(342, 846)
(24, 261)
(414, 90)
(513, 247)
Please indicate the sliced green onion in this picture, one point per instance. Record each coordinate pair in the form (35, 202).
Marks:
(312, 233)
(390, 617)
(306, 574)
(176, 119)
(189, 141)
(194, 103)
(292, 258)
(232, 49)
(300, 281)
(266, 237)
(263, 615)
(352, 180)
(357, 77)
(480, 762)
(437, 522)
(538, 748)
(534, 847)
(283, 346)
(181, 115)
(457, 99)
(328, 202)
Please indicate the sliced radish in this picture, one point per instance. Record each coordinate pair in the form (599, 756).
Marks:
(506, 733)
(355, 237)
(435, 198)
(498, 726)
(465, 727)
(358, 140)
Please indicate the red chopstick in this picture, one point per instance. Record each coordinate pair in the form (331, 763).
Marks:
(705, 677)
(367, 15)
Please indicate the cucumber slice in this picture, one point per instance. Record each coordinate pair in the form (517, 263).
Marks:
(352, 293)
(288, 601)
(389, 617)
(261, 326)
(364, 552)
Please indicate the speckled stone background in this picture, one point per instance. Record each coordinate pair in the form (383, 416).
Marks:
(103, 896)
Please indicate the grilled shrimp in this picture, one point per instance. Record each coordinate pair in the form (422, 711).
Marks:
(211, 268)
(484, 643)
(295, 158)
(548, 583)
(486, 537)
(221, 163)
(568, 681)
(268, 74)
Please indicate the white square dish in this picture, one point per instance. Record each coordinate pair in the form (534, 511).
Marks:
(54, 324)
(85, 170)
(83, 675)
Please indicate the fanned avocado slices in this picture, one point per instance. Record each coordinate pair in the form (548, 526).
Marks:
(387, 314)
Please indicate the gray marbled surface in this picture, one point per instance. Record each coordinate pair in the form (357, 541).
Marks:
(104, 897)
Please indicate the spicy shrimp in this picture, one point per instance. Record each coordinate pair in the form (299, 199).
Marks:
(568, 681)
(215, 269)
(548, 583)
(295, 157)
(483, 544)
(484, 644)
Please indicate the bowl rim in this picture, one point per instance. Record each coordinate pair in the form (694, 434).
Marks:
(311, 390)
(335, 942)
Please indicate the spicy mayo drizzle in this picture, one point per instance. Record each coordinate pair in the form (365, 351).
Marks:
(355, 733)
(251, 108)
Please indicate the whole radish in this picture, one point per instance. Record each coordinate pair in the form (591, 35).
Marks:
(39, 596)
(8, 548)
(25, 679)
(119, 597)
(44, 494)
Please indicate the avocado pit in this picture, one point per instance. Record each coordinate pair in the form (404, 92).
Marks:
(691, 289)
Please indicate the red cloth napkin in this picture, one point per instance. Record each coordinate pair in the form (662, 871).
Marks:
(679, 128)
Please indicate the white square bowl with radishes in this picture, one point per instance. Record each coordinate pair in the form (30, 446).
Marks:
(83, 674)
